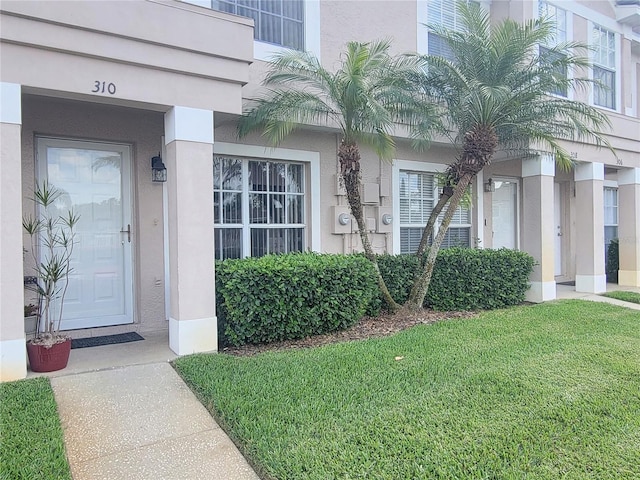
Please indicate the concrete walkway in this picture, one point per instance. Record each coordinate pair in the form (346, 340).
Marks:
(566, 291)
(142, 422)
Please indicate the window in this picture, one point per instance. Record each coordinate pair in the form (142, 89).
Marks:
(559, 16)
(610, 217)
(258, 207)
(604, 67)
(445, 14)
(418, 196)
(280, 22)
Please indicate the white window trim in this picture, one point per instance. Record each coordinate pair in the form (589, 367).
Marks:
(618, 68)
(312, 161)
(610, 23)
(395, 177)
(612, 185)
(422, 45)
(617, 206)
(632, 111)
(569, 19)
(264, 51)
(478, 240)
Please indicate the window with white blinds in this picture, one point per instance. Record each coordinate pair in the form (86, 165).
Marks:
(444, 13)
(604, 67)
(280, 22)
(259, 207)
(418, 197)
(559, 17)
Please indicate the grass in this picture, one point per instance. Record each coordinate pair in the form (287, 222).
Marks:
(631, 297)
(31, 445)
(536, 392)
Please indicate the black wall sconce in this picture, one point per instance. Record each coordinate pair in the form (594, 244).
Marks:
(158, 170)
(490, 186)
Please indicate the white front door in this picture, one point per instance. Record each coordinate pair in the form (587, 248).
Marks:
(557, 215)
(95, 181)
(504, 208)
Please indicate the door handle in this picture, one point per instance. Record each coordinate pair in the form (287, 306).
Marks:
(128, 232)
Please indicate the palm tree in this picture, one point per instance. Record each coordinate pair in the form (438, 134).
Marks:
(366, 98)
(495, 94)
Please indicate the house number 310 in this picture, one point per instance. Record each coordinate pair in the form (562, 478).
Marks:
(104, 87)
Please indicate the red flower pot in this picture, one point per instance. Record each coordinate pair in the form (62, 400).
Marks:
(44, 358)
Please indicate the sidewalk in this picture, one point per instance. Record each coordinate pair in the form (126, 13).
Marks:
(142, 422)
(565, 291)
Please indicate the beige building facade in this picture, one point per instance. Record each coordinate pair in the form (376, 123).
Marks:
(91, 92)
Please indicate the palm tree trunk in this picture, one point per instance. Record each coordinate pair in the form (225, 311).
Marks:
(349, 156)
(421, 285)
(447, 192)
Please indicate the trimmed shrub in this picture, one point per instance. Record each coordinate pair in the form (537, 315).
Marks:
(398, 272)
(473, 279)
(463, 278)
(284, 297)
(613, 261)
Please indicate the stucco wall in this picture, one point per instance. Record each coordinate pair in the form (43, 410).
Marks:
(162, 53)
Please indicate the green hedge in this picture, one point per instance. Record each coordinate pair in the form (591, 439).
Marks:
(463, 278)
(470, 279)
(283, 297)
(613, 261)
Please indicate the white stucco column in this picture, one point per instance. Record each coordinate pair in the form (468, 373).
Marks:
(629, 226)
(189, 162)
(538, 235)
(13, 352)
(590, 268)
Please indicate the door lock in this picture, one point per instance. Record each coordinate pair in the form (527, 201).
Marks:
(128, 232)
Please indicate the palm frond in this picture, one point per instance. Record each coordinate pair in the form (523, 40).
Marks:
(280, 112)
(502, 78)
(367, 97)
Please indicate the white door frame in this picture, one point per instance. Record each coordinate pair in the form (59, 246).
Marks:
(558, 230)
(42, 142)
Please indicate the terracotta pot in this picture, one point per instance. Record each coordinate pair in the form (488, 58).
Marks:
(49, 359)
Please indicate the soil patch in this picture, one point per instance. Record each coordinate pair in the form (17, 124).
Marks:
(367, 327)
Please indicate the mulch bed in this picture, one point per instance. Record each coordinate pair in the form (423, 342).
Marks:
(368, 327)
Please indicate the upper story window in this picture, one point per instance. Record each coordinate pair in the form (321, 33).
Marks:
(418, 196)
(259, 207)
(444, 13)
(559, 16)
(279, 22)
(604, 67)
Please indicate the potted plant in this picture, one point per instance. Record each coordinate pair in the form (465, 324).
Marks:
(52, 235)
(30, 319)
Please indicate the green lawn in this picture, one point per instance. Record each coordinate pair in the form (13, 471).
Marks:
(632, 297)
(31, 445)
(540, 392)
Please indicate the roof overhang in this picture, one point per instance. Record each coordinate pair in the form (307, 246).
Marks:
(628, 13)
